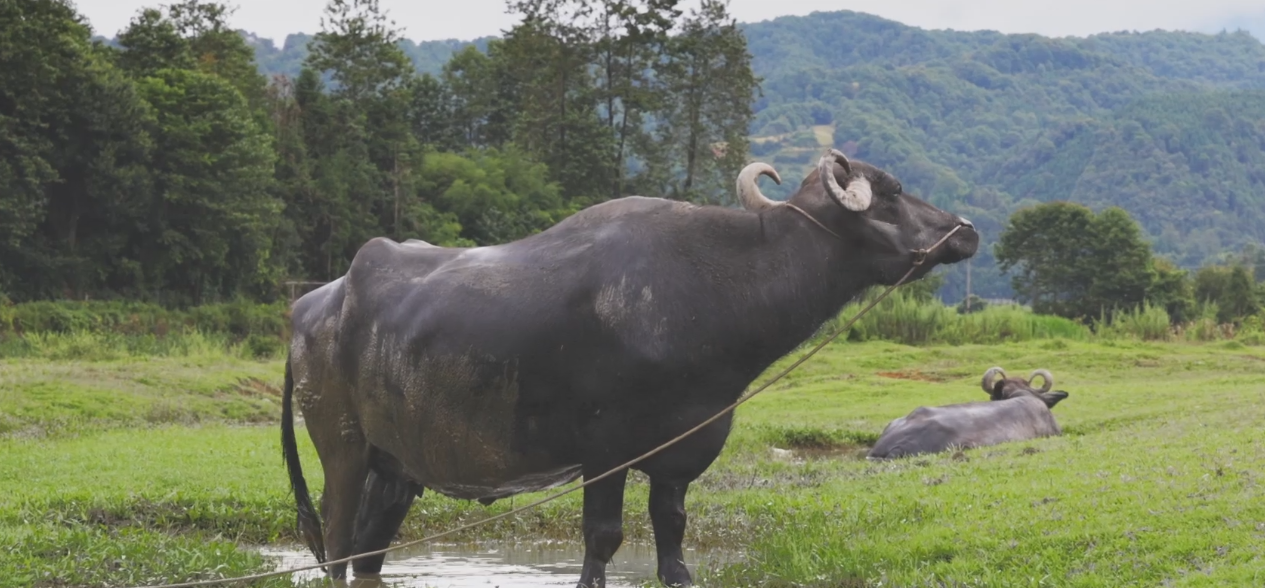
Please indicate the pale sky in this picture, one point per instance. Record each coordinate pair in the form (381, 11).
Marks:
(466, 19)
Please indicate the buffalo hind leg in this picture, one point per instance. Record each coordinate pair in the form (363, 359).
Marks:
(384, 503)
(346, 467)
(667, 515)
(603, 527)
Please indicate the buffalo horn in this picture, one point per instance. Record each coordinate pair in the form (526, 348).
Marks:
(989, 376)
(1045, 375)
(749, 193)
(857, 196)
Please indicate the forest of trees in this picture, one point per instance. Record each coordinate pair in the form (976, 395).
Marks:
(1167, 125)
(163, 165)
(182, 161)
(1069, 261)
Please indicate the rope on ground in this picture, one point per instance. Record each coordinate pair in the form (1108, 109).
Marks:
(919, 257)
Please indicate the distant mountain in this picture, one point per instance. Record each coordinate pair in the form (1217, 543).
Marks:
(1168, 125)
(1254, 24)
(1164, 124)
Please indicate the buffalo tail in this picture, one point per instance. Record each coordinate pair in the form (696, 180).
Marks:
(309, 523)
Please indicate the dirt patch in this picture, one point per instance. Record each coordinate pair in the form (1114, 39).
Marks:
(759, 480)
(256, 387)
(803, 454)
(917, 375)
(228, 518)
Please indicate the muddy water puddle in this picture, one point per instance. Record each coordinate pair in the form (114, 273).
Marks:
(499, 565)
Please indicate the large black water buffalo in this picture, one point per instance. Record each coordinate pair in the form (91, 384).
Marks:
(1016, 411)
(485, 372)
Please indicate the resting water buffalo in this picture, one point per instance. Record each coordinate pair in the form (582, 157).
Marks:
(1016, 412)
(485, 372)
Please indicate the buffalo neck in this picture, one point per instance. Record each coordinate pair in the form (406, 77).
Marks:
(808, 275)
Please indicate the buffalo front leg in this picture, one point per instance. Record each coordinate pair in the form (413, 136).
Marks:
(667, 515)
(384, 503)
(603, 527)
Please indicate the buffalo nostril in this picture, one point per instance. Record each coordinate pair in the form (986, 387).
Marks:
(966, 222)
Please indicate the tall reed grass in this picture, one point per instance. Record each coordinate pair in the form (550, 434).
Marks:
(100, 330)
(108, 346)
(1147, 323)
(237, 319)
(107, 330)
(911, 320)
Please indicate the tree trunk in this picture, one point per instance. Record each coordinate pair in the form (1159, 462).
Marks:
(692, 139)
(395, 179)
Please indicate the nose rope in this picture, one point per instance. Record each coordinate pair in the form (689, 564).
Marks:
(920, 257)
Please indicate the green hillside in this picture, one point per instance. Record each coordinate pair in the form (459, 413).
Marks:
(986, 123)
(1168, 125)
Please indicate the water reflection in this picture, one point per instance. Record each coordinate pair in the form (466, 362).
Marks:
(495, 565)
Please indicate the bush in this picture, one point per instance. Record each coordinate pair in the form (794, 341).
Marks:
(107, 346)
(102, 330)
(237, 319)
(258, 346)
(1252, 331)
(1147, 323)
(976, 304)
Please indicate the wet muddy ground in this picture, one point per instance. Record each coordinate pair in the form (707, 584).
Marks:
(499, 565)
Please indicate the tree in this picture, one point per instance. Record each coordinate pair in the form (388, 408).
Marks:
(73, 149)
(151, 43)
(1120, 262)
(335, 194)
(358, 46)
(1230, 288)
(1046, 244)
(1253, 257)
(1173, 291)
(556, 120)
(476, 86)
(359, 139)
(701, 143)
(630, 36)
(218, 49)
(210, 229)
(293, 177)
(192, 34)
(1076, 264)
(431, 114)
(1240, 299)
(496, 196)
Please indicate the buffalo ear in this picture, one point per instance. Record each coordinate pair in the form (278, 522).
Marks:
(998, 387)
(1052, 398)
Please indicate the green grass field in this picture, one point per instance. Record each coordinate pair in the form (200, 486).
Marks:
(133, 469)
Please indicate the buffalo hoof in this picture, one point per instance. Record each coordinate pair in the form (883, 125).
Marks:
(366, 581)
(675, 575)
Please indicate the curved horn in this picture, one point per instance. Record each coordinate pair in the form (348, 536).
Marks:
(857, 196)
(988, 378)
(1045, 375)
(749, 193)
